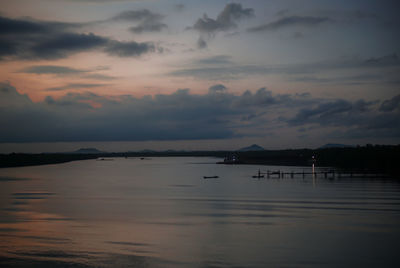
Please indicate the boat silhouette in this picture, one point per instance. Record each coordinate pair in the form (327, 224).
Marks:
(210, 177)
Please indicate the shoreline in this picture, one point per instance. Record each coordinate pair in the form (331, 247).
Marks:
(377, 158)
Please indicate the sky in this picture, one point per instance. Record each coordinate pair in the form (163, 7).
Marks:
(124, 75)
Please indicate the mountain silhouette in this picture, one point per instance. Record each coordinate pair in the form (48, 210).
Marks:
(252, 148)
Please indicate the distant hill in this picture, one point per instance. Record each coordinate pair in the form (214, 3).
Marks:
(252, 148)
(335, 145)
(87, 151)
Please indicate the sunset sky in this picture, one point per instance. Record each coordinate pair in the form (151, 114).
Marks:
(130, 75)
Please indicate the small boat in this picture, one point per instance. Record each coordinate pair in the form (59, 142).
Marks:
(104, 159)
(210, 177)
(259, 175)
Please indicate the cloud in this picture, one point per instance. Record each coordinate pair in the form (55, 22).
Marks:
(367, 78)
(14, 33)
(323, 112)
(390, 60)
(148, 27)
(179, 7)
(265, 98)
(180, 115)
(338, 112)
(99, 77)
(298, 35)
(225, 20)
(60, 46)
(99, 1)
(391, 105)
(222, 68)
(13, 26)
(351, 120)
(66, 71)
(9, 97)
(76, 86)
(7, 47)
(217, 89)
(350, 16)
(183, 115)
(201, 43)
(53, 40)
(52, 69)
(306, 21)
(147, 20)
(129, 49)
(137, 15)
(221, 72)
(384, 61)
(282, 12)
(218, 59)
(10, 26)
(358, 15)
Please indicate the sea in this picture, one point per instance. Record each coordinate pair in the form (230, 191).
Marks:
(161, 212)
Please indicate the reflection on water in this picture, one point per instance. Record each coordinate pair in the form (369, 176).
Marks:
(162, 213)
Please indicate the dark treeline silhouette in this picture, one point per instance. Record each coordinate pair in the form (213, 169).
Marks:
(369, 158)
(21, 159)
(373, 158)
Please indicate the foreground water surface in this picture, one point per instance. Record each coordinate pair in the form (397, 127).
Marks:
(160, 212)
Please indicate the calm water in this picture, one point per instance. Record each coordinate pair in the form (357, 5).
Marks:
(160, 212)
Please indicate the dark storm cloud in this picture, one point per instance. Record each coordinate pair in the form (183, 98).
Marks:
(53, 40)
(225, 20)
(307, 21)
(180, 115)
(147, 21)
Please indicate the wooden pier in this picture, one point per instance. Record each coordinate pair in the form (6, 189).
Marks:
(327, 174)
